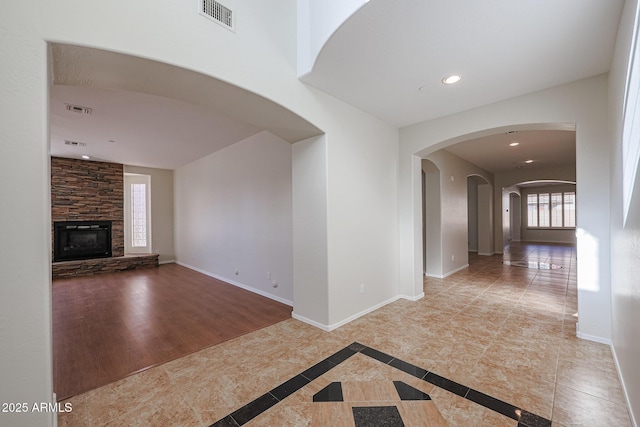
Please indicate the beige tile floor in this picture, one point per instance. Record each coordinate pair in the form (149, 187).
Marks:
(506, 331)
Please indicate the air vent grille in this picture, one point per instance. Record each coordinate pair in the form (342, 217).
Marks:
(75, 143)
(217, 12)
(78, 109)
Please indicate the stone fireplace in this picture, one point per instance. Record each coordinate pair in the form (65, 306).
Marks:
(73, 240)
(86, 198)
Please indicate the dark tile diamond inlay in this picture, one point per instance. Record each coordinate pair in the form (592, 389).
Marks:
(289, 387)
(377, 416)
(341, 355)
(318, 369)
(331, 393)
(446, 384)
(225, 422)
(378, 355)
(380, 415)
(253, 409)
(357, 347)
(497, 405)
(408, 368)
(527, 419)
(406, 392)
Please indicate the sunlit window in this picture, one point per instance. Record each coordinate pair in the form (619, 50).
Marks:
(631, 125)
(532, 210)
(138, 215)
(543, 210)
(551, 210)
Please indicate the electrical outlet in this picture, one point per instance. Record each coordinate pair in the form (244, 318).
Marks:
(362, 288)
(268, 275)
(237, 271)
(453, 257)
(274, 283)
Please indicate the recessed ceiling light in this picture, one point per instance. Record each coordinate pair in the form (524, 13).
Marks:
(514, 144)
(449, 80)
(86, 157)
(528, 161)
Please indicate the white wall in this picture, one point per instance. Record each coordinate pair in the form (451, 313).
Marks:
(582, 103)
(362, 183)
(625, 243)
(432, 226)
(453, 192)
(515, 216)
(234, 213)
(25, 264)
(310, 253)
(485, 220)
(161, 210)
(472, 217)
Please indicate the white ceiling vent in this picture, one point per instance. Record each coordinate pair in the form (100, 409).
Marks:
(75, 143)
(79, 109)
(217, 13)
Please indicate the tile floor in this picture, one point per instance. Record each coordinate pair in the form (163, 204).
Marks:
(504, 334)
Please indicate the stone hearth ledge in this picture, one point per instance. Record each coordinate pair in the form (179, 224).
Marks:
(88, 267)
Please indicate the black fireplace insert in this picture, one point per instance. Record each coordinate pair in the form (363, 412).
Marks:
(74, 240)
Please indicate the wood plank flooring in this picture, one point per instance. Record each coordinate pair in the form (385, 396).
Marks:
(109, 326)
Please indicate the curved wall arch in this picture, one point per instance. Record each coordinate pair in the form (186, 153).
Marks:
(581, 105)
(317, 21)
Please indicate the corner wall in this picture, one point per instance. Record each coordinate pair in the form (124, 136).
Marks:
(234, 213)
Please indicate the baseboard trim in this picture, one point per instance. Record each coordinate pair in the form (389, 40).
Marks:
(455, 271)
(349, 319)
(444, 276)
(238, 284)
(171, 261)
(486, 254)
(593, 338)
(624, 387)
(415, 298)
(310, 322)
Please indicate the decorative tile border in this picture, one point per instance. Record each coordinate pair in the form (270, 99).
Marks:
(269, 399)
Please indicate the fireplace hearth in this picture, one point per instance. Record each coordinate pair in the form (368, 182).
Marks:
(75, 240)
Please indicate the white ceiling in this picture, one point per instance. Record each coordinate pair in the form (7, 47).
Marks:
(138, 129)
(156, 114)
(377, 61)
(547, 148)
(381, 57)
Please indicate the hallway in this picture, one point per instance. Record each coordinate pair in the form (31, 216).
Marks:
(492, 345)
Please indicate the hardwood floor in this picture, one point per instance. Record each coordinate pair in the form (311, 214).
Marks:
(109, 326)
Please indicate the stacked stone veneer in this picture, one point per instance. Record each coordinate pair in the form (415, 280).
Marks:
(87, 191)
(92, 191)
(88, 267)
